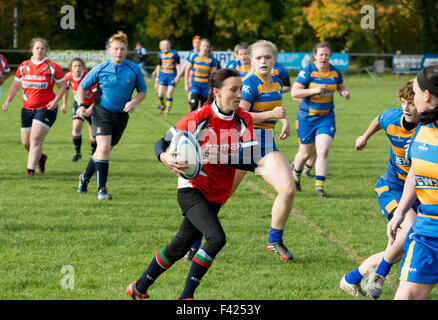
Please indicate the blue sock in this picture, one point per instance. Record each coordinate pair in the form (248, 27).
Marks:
(275, 235)
(90, 170)
(102, 173)
(197, 244)
(354, 277)
(384, 268)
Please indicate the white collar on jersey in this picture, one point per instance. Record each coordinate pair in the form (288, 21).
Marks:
(37, 62)
(78, 78)
(220, 114)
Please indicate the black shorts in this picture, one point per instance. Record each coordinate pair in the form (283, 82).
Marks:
(200, 219)
(107, 123)
(42, 115)
(75, 109)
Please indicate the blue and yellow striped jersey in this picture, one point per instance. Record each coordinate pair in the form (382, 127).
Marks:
(168, 61)
(318, 104)
(280, 71)
(236, 64)
(398, 166)
(423, 153)
(202, 67)
(262, 96)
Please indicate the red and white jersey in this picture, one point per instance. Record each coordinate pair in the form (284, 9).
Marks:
(73, 83)
(4, 67)
(227, 133)
(37, 80)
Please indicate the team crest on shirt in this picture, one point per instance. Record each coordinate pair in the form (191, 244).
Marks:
(246, 89)
(128, 80)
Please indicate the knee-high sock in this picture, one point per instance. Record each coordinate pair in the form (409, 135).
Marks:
(102, 167)
(199, 267)
(156, 267)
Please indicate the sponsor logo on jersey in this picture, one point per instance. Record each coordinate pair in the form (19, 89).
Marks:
(421, 181)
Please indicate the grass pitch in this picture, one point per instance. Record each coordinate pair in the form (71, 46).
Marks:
(47, 228)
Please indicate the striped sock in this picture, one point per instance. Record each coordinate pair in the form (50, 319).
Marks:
(77, 141)
(296, 173)
(384, 268)
(161, 102)
(199, 267)
(158, 265)
(319, 181)
(93, 145)
(307, 168)
(169, 104)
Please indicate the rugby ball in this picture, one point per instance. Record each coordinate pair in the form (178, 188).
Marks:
(188, 149)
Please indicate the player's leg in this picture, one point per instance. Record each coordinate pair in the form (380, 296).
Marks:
(169, 98)
(408, 290)
(161, 91)
(101, 158)
(77, 138)
(323, 143)
(309, 165)
(37, 135)
(304, 152)
(274, 169)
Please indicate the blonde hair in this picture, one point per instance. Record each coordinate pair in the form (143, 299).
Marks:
(263, 43)
(38, 39)
(119, 36)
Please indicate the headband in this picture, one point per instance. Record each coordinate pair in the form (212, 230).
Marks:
(426, 84)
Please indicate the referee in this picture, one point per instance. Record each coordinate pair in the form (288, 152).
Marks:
(117, 78)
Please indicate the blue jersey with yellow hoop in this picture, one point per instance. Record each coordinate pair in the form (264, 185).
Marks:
(280, 71)
(202, 67)
(236, 64)
(398, 166)
(262, 96)
(423, 153)
(318, 104)
(168, 61)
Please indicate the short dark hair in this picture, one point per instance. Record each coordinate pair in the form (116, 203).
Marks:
(216, 80)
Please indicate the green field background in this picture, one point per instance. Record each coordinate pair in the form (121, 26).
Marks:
(45, 225)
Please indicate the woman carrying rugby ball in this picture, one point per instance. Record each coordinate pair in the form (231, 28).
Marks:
(222, 128)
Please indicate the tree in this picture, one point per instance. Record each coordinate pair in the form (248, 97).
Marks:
(340, 21)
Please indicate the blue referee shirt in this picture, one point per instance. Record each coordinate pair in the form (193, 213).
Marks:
(116, 83)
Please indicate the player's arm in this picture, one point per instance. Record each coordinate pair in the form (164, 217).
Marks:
(407, 200)
(343, 91)
(374, 127)
(286, 84)
(178, 71)
(257, 117)
(65, 100)
(61, 91)
(299, 91)
(4, 77)
(187, 74)
(15, 86)
(141, 93)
